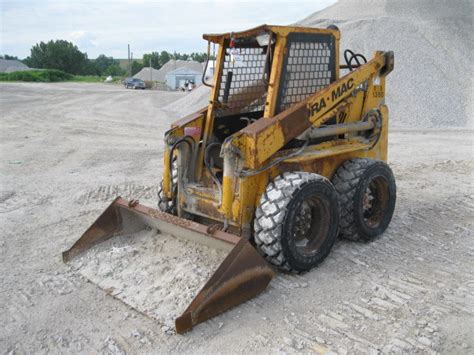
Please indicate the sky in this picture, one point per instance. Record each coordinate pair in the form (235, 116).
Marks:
(107, 26)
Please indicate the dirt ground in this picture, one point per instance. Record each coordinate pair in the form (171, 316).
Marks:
(66, 150)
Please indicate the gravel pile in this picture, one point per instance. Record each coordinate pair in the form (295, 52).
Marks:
(431, 85)
(144, 74)
(9, 66)
(160, 74)
(192, 102)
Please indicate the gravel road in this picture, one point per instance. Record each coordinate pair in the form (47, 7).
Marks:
(66, 150)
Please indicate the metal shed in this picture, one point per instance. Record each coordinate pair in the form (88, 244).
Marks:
(177, 78)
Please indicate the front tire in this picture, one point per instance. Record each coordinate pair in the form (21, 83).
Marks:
(296, 222)
(367, 194)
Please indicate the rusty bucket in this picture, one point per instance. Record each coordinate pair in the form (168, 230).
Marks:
(242, 275)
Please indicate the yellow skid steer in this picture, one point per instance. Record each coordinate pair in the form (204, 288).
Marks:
(289, 153)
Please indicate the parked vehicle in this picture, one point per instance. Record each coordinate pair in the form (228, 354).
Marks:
(133, 83)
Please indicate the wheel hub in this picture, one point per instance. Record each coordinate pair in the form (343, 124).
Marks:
(375, 201)
(311, 225)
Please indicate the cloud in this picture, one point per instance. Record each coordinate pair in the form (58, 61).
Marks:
(106, 27)
(84, 40)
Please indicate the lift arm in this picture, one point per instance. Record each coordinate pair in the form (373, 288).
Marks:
(260, 140)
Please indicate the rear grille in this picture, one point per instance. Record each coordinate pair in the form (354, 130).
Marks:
(309, 66)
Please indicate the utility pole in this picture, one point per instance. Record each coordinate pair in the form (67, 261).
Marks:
(129, 63)
(151, 77)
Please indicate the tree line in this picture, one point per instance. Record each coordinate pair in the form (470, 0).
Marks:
(66, 56)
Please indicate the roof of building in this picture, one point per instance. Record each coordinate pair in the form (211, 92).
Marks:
(172, 65)
(183, 70)
(175, 64)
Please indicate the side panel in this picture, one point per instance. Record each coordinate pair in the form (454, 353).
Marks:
(327, 158)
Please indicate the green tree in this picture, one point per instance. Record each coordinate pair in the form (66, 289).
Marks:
(103, 62)
(175, 55)
(6, 56)
(136, 67)
(155, 60)
(60, 54)
(91, 68)
(200, 57)
(158, 60)
(114, 70)
(164, 57)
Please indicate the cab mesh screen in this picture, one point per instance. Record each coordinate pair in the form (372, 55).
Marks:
(309, 67)
(247, 91)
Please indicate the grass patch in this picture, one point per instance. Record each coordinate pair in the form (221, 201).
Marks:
(88, 79)
(94, 79)
(43, 76)
(51, 76)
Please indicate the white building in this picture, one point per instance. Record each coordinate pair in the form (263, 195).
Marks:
(177, 78)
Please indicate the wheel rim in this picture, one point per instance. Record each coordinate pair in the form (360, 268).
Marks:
(375, 201)
(311, 225)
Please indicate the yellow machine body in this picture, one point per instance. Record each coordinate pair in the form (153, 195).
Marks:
(280, 101)
(348, 98)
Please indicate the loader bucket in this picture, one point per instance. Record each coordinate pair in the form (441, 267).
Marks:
(242, 275)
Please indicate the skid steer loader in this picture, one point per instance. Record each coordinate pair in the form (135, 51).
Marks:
(289, 153)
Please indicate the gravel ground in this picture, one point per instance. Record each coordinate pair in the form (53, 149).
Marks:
(431, 85)
(68, 149)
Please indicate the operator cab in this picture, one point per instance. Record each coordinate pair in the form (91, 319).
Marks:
(243, 76)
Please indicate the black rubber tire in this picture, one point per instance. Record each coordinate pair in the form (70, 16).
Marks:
(352, 181)
(277, 214)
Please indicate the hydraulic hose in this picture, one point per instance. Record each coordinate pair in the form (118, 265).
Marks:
(188, 140)
(207, 163)
(252, 172)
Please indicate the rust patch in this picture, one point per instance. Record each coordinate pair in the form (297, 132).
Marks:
(294, 121)
(133, 203)
(258, 126)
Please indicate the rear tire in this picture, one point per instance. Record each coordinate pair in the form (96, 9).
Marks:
(367, 194)
(296, 223)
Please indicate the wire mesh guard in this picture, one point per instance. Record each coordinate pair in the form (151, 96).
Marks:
(247, 90)
(308, 70)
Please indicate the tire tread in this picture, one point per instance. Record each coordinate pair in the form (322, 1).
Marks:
(271, 212)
